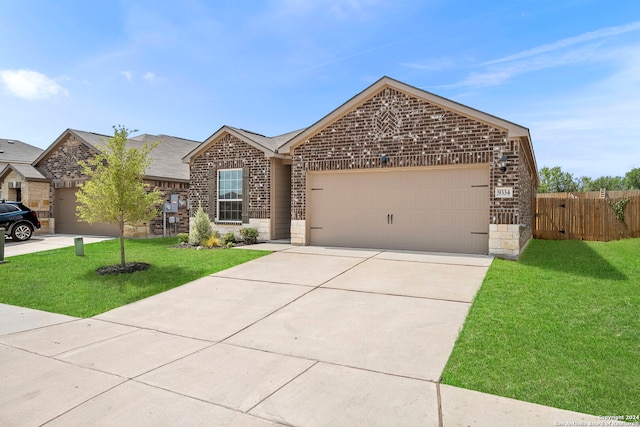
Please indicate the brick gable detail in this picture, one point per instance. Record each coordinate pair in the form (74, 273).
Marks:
(410, 132)
(61, 164)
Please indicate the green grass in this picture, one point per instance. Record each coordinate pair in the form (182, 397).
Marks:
(560, 327)
(61, 282)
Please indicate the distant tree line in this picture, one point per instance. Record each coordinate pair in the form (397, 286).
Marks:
(555, 180)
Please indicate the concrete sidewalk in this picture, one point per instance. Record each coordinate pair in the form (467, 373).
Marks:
(305, 336)
(45, 242)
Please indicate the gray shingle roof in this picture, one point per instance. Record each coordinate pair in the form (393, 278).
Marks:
(24, 169)
(166, 157)
(94, 139)
(270, 142)
(13, 151)
(267, 144)
(28, 171)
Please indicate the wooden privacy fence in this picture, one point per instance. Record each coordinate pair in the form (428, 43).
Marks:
(582, 216)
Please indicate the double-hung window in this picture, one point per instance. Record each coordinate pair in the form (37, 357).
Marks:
(230, 195)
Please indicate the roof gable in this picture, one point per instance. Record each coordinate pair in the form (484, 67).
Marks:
(268, 145)
(87, 138)
(26, 171)
(513, 129)
(165, 157)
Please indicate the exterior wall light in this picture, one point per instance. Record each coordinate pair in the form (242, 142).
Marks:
(502, 162)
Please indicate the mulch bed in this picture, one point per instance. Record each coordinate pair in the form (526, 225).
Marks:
(129, 267)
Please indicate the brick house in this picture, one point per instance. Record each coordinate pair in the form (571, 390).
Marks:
(19, 181)
(395, 167)
(58, 170)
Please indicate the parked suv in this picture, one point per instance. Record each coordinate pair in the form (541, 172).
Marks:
(18, 220)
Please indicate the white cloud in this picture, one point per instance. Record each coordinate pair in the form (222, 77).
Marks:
(430, 64)
(570, 41)
(149, 76)
(31, 85)
(495, 75)
(127, 75)
(584, 48)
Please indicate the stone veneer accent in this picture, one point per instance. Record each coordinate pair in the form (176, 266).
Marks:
(413, 132)
(504, 240)
(227, 153)
(298, 232)
(263, 225)
(35, 195)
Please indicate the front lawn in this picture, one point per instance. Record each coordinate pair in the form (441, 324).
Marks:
(560, 327)
(61, 282)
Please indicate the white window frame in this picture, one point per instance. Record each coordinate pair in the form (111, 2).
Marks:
(218, 181)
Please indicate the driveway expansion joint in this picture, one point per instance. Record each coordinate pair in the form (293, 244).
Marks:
(396, 295)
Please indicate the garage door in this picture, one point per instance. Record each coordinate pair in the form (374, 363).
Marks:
(67, 219)
(442, 210)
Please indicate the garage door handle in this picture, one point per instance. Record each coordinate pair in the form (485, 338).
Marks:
(388, 219)
(391, 218)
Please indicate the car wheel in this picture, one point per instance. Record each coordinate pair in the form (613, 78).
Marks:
(21, 232)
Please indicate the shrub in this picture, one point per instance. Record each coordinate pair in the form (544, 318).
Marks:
(229, 238)
(201, 230)
(249, 235)
(183, 237)
(211, 242)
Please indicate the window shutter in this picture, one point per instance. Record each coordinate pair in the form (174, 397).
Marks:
(245, 195)
(213, 193)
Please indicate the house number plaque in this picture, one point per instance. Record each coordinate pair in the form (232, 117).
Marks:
(504, 192)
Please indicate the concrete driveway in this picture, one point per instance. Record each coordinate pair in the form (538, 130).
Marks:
(306, 336)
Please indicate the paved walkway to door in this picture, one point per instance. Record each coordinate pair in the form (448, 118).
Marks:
(306, 336)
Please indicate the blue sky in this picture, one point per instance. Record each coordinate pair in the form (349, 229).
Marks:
(568, 70)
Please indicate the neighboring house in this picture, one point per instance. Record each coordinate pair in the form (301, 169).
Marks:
(57, 168)
(16, 169)
(394, 167)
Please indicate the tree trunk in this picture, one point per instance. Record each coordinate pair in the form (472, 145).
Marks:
(122, 261)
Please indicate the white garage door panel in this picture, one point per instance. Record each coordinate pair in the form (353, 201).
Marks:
(428, 209)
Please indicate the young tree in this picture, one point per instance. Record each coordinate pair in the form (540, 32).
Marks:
(554, 180)
(632, 179)
(115, 191)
